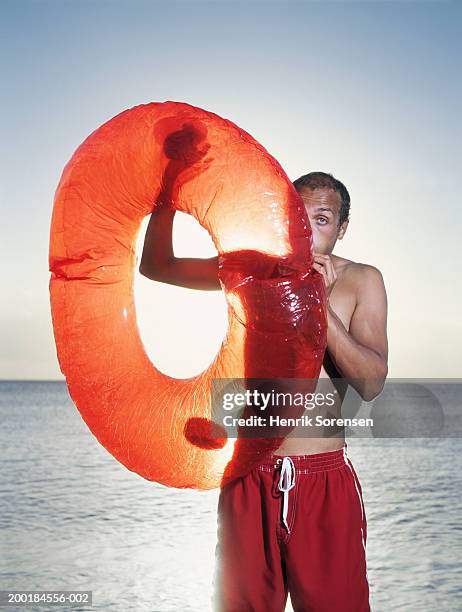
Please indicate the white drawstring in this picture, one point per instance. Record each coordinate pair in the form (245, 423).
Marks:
(286, 483)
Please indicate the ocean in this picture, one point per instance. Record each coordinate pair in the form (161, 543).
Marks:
(73, 518)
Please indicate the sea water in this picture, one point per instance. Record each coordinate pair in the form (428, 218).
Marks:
(73, 518)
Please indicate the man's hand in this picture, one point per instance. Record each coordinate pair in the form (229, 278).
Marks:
(323, 264)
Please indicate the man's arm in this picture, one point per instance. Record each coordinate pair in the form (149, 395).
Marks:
(159, 263)
(361, 354)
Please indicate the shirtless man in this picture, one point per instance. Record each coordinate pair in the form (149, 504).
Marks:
(320, 557)
(357, 345)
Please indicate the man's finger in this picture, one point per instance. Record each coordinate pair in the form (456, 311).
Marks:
(330, 271)
(322, 271)
(329, 266)
(320, 268)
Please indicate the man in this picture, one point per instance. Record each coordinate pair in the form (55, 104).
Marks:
(311, 543)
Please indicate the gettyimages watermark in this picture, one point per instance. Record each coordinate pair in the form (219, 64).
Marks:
(324, 408)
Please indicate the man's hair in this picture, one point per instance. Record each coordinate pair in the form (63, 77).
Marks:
(322, 180)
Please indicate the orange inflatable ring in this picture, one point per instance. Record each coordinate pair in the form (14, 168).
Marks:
(201, 164)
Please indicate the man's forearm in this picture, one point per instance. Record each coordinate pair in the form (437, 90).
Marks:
(365, 369)
(157, 248)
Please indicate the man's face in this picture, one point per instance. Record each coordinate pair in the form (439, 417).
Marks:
(323, 208)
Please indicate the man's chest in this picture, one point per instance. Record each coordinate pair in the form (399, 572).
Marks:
(343, 302)
(343, 299)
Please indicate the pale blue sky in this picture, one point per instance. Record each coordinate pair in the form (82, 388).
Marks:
(369, 91)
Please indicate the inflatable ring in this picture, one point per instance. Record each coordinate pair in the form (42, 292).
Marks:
(195, 161)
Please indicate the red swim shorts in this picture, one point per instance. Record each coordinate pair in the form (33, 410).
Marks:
(295, 525)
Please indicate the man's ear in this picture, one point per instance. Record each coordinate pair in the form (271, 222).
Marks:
(342, 230)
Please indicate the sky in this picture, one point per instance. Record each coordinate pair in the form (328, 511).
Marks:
(369, 91)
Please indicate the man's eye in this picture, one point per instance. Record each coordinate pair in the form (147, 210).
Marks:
(322, 219)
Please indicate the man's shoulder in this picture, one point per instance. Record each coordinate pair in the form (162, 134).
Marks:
(368, 283)
(364, 270)
(363, 279)
(356, 269)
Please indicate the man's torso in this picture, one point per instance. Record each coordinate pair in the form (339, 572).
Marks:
(343, 299)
